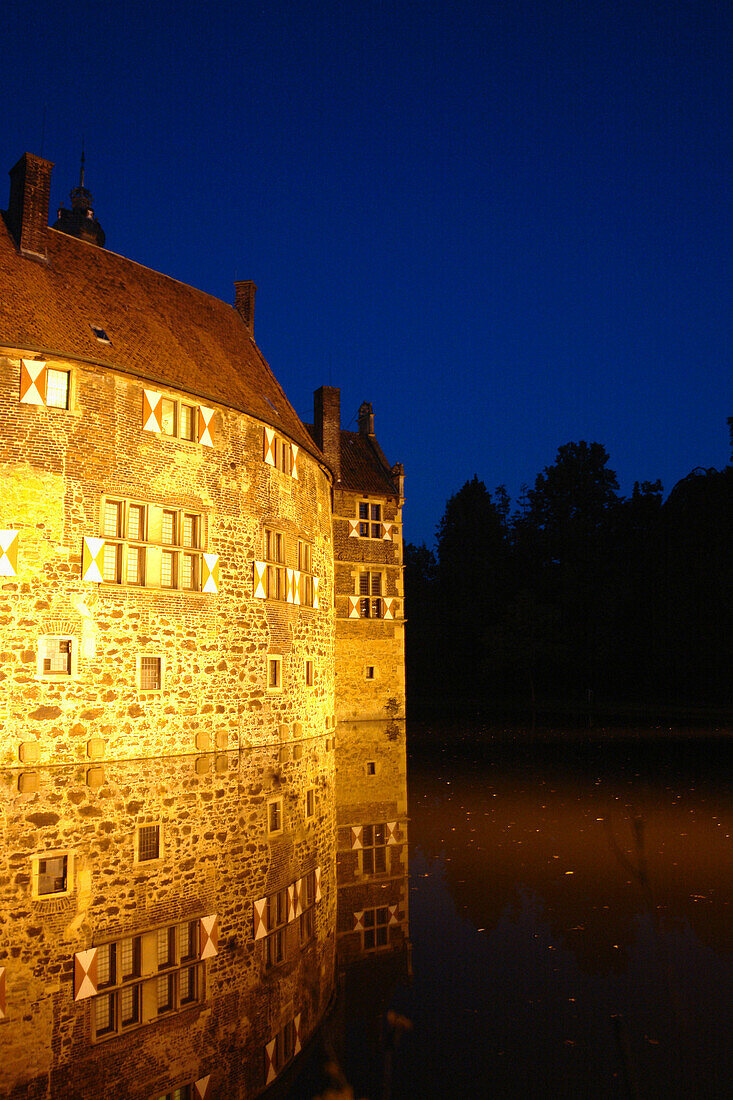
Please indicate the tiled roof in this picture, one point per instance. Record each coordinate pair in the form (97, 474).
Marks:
(361, 468)
(161, 330)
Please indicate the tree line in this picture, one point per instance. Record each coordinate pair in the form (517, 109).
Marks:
(579, 596)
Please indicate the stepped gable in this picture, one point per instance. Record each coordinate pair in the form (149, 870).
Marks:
(160, 330)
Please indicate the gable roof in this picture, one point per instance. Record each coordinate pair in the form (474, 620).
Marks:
(160, 330)
(364, 469)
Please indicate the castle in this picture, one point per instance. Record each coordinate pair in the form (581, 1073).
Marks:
(202, 678)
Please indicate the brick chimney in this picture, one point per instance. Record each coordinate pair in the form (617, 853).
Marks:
(366, 418)
(327, 425)
(30, 193)
(244, 302)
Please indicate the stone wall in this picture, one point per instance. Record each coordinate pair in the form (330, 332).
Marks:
(217, 859)
(56, 468)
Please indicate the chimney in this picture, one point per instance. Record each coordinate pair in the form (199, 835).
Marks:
(327, 425)
(244, 302)
(30, 192)
(366, 418)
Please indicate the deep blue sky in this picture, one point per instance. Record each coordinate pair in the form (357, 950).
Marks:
(506, 224)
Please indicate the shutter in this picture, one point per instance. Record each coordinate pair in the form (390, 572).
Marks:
(155, 523)
(296, 1028)
(260, 592)
(353, 607)
(357, 831)
(209, 936)
(353, 528)
(316, 605)
(152, 411)
(3, 1002)
(205, 416)
(91, 560)
(293, 901)
(391, 832)
(318, 883)
(32, 382)
(201, 1087)
(85, 974)
(269, 448)
(298, 897)
(388, 601)
(210, 573)
(260, 918)
(8, 553)
(296, 587)
(152, 566)
(294, 451)
(359, 921)
(393, 918)
(387, 531)
(270, 1071)
(289, 587)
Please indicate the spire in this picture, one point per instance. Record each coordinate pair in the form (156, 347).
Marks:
(80, 220)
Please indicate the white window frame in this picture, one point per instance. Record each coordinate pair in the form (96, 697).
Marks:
(58, 676)
(58, 853)
(274, 658)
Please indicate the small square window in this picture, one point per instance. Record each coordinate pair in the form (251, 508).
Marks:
(310, 802)
(148, 843)
(274, 673)
(51, 876)
(309, 672)
(55, 656)
(275, 816)
(150, 673)
(371, 767)
(57, 389)
(369, 672)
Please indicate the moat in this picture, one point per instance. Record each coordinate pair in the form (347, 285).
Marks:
(567, 933)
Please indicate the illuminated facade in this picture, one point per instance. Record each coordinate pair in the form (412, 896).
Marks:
(173, 591)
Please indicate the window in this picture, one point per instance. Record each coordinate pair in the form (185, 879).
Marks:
(55, 656)
(277, 920)
(370, 520)
(369, 672)
(142, 977)
(308, 902)
(370, 592)
(57, 388)
(305, 567)
(168, 416)
(148, 843)
(310, 802)
(275, 558)
(374, 850)
(100, 334)
(309, 672)
(275, 816)
(285, 457)
(150, 673)
(52, 874)
(376, 922)
(134, 528)
(283, 1051)
(274, 672)
(187, 422)
(371, 767)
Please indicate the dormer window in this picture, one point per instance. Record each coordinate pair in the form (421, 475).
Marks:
(99, 332)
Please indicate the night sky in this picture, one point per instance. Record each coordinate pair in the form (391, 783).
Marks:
(505, 224)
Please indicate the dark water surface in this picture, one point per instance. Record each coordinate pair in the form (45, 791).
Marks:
(570, 919)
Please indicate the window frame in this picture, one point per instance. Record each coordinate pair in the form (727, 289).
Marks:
(139, 860)
(310, 803)
(52, 404)
(274, 661)
(375, 928)
(369, 519)
(41, 857)
(309, 672)
(277, 804)
(368, 863)
(160, 657)
(57, 674)
(150, 522)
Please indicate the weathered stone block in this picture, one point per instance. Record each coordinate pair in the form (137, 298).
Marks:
(29, 752)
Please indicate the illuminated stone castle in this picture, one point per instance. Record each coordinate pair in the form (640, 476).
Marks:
(192, 579)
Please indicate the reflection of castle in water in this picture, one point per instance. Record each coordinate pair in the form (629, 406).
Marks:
(199, 593)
